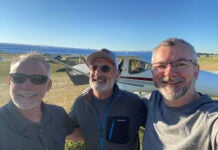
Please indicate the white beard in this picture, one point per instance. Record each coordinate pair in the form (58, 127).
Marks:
(101, 87)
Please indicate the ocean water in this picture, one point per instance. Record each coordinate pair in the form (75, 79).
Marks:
(23, 48)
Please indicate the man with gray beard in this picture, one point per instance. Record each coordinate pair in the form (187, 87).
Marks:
(107, 117)
(179, 117)
(26, 122)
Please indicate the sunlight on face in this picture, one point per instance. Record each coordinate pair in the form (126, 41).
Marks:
(27, 95)
(102, 81)
(172, 82)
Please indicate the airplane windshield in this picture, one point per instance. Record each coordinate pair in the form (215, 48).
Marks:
(137, 66)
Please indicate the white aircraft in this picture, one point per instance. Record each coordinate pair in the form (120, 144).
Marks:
(136, 76)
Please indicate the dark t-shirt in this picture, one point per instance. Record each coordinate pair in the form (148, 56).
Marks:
(101, 106)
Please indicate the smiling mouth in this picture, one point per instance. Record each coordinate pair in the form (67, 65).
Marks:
(100, 79)
(172, 82)
(27, 94)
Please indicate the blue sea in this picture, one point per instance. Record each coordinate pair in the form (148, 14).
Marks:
(23, 48)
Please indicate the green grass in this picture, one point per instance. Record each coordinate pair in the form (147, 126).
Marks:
(73, 145)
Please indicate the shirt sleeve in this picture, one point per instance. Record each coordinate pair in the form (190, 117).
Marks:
(214, 137)
(73, 116)
(141, 112)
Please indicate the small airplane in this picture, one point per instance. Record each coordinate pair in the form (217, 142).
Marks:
(135, 68)
(136, 75)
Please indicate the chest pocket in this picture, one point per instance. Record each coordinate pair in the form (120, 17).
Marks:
(118, 129)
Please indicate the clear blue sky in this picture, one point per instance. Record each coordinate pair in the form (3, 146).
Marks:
(113, 24)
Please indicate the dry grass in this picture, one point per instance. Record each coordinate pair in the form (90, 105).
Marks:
(63, 92)
(209, 63)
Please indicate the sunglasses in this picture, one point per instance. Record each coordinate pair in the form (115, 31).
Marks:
(104, 68)
(19, 78)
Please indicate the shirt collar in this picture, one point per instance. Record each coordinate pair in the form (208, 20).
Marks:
(20, 123)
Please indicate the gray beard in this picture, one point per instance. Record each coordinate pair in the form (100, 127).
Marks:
(174, 96)
(101, 88)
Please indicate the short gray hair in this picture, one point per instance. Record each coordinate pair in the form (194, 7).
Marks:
(33, 55)
(170, 42)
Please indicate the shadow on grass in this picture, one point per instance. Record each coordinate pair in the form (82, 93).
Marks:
(77, 79)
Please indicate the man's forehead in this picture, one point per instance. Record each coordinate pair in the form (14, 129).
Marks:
(102, 60)
(25, 63)
(177, 49)
(171, 53)
(28, 62)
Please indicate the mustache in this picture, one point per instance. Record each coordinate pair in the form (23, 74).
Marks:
(100, 78)
(171, 79)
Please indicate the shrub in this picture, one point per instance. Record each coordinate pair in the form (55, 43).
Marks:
(74, 145)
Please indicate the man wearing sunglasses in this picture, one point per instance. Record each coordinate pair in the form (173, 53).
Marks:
(26, 122)
(179, 117)
(108, 117)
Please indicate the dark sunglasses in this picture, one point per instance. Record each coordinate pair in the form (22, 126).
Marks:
(104, 68)
(35, 79)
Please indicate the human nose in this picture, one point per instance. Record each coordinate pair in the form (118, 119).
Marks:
(27, 83)
(170, 69)
(94, 71)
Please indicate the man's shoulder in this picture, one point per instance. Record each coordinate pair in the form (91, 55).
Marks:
(124, 93)
(54, 108)
(130, 98)
(212, 107)
(85, 96)
(3, 114)
(6, 118)
(208, 103)
(155, 95)
(4, 110)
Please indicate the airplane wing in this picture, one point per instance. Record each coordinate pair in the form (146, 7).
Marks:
(78, 69)
(78, 74)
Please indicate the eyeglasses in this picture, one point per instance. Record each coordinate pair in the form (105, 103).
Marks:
(177, 65)
(104, 68)
(19, 78)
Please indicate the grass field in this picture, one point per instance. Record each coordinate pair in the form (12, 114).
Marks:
(208, 63)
